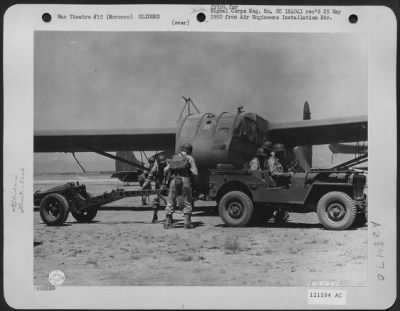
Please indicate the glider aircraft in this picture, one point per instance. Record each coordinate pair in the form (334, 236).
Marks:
(226, 138)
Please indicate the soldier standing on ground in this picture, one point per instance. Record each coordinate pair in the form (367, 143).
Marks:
(183, 171)
(144, 186)
(156, 173)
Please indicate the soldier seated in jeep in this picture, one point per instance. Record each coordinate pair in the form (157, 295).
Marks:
(277, 166)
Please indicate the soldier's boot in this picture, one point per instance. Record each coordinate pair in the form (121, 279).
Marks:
(281, 216)
(155, 218)
(168, 221)
(155, 210)
(188, 223)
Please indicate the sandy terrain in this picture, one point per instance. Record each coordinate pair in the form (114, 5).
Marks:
(122, 247)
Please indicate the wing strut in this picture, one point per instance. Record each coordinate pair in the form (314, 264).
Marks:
(108, 155)
(73, 154)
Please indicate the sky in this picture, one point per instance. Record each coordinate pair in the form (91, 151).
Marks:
(118, 80)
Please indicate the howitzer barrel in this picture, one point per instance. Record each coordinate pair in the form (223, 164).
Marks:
(116, 195)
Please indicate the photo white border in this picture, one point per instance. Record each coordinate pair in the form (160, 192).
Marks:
(20, 22)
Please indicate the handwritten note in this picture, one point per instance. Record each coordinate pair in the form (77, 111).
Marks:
(17, 192)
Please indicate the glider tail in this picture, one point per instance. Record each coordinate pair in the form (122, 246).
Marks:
(124, 171)
(303, 154)
(123, 166)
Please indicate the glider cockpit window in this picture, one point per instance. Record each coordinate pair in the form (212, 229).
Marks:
(224, 127)
(207, 126)
(189, 128)
(248, 130)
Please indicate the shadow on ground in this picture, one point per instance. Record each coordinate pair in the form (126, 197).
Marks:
(288, 225)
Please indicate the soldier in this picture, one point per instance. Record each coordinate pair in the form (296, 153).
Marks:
(267, 146)
(183, 171)
(156, 174)
(277, 168)
(258, 162)
(144, 186)
(279, 175)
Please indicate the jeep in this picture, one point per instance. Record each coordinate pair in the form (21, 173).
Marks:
(245, 197)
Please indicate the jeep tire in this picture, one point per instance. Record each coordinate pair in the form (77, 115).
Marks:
(54, 209)
(236, 209)
(336, 210)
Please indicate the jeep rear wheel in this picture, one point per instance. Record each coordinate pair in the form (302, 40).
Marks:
(336, 210)
(236, 209)
(54, 209)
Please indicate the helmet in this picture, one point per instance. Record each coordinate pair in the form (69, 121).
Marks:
(261, 152)
(188, 148)
(279, 147)
(267, 146)
(161, 158)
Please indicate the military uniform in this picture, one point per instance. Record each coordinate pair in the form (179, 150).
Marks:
(275, 167)
(142, 179)
(181, 187)
(280, 177)
(277, 172)
(257, 163)
(254, 164)
(267, 146)
(157, 173)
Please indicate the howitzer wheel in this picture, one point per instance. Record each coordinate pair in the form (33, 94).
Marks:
(336, 210)
(236, 209)
(54, 209)
(83, 215)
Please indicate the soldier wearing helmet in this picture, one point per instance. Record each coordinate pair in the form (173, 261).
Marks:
(257, 163)
(267, 146)
(280, 153)
(156, 174)
(183, 171)
(276, 167)
(144, 181)
(188, 148)
(278, 173)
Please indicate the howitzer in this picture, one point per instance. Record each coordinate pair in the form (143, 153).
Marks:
(56, 203)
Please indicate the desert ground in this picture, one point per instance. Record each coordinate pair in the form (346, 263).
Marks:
(122, 247)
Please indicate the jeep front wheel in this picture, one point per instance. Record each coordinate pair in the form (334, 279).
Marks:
(336, 210)
(236, 209)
